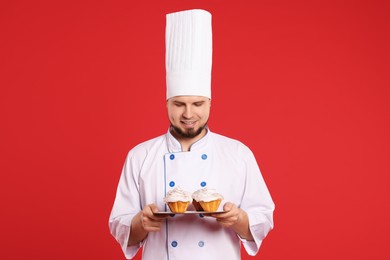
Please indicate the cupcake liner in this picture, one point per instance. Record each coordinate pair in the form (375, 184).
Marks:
(210, 206)
(178, 206)
(197, 205)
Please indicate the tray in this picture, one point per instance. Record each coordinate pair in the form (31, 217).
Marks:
(188, 212)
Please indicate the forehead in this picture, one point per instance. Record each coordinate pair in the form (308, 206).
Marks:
(188, 99)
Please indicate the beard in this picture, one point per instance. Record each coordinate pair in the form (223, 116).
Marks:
(188, 133)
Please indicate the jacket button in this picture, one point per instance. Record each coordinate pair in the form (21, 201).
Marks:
(174, 244)
(172, 156)
(203, 183)
(201, 244)
(172, 183)
(204, 156)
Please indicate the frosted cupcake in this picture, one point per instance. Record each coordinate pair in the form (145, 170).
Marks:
(206, 199)
(196, 204)
(178, 200)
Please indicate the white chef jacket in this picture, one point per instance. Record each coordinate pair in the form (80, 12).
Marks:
(154, 167)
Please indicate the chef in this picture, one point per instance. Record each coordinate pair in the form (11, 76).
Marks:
(191, 157)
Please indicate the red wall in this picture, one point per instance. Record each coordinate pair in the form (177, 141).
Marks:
(305, 84)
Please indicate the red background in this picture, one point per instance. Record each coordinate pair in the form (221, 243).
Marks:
(305, 84)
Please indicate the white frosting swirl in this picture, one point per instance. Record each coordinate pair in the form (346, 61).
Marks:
(177, 194)
(206, 195)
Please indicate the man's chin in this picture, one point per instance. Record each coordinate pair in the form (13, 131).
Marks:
(190, 133)
(187, 133)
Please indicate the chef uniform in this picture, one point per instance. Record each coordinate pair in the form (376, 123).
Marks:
(156, 166)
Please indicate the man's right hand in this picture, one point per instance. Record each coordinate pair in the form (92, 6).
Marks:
(143, 223)
(149, 221)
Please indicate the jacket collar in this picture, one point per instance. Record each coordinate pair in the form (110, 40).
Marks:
(174, 145)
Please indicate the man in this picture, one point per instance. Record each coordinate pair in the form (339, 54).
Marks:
(190, 156)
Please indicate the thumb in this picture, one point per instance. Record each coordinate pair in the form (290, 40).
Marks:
(228, 206)
(153, 208)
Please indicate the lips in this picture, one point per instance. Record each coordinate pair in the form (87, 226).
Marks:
(188, 124)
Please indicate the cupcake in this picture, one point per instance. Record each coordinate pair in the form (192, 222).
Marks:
(178, 200)
(196, 204)
(206, 199)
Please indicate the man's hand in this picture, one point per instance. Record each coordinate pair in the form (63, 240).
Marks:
(143, 223)
(236, 219)
(149, 221)
(231, 217)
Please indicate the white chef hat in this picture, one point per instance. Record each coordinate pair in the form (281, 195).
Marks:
(188, 53)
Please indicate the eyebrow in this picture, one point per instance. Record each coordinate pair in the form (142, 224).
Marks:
(183, 103)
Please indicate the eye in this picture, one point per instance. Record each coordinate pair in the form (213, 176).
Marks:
(198, 104)
(178, 104)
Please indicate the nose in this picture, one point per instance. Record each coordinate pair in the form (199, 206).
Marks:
(187, 112)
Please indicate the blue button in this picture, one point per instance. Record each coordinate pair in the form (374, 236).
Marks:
(172, 156)
(172, 183)
(201, 243)
(201, 215)
(203, 183)
(204, 156)
(174, 243)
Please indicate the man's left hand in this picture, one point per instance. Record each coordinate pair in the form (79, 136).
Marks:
(231, 215)
(236, 219)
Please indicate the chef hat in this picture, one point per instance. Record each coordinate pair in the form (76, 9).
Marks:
(188, 53)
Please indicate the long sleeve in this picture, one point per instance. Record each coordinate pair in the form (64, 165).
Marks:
(126, 206)
(258, 204)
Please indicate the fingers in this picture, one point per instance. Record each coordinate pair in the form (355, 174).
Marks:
(228, 221)
(228, 206)
(230, 210)
(149, 211)
(151, 222)
(230, 217)
(153, 208)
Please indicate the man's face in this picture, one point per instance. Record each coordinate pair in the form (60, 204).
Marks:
(188, 115)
